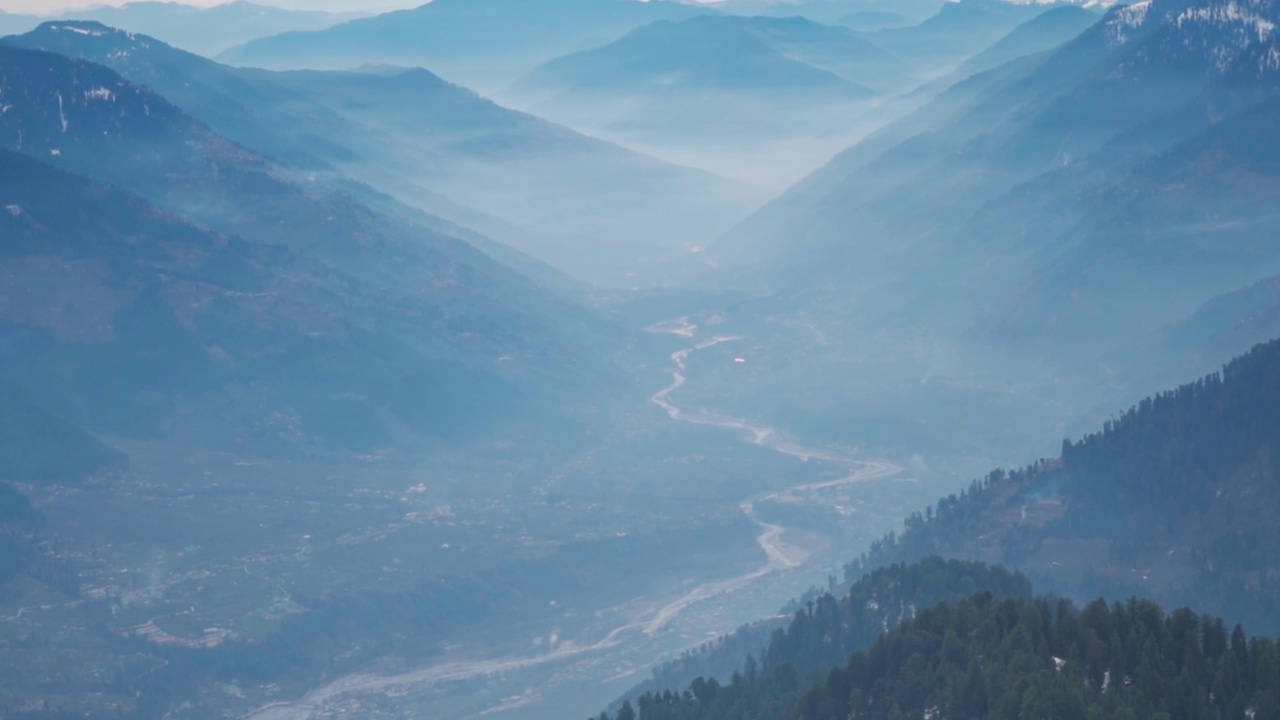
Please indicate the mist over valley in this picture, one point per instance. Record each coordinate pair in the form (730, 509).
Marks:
(640, 360)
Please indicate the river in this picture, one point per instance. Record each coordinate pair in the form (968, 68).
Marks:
(778, 555)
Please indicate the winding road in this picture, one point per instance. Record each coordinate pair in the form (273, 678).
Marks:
(770, 541)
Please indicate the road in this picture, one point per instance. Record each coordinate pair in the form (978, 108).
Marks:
(778, 556)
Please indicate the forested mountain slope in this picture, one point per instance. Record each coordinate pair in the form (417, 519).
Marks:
(135, 322)
(1174, 499)
(346, 280)
(985, 658)
(823, 633)
(1062, 203)
(1013, 657)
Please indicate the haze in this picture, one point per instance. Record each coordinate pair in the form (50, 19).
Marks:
(53, 7)
(530, 359)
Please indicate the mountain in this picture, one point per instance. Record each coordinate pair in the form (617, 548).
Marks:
(136, 323)
(1047, 658)
(588, 206)
(480, 43)
(225, 333)
(210, 30)
(1043, 220)
(723, 54)
(821, 634)
(1172, 499)
(990, 657)
(708, 77)
(1229, 323)
(831, 11)
(11, 23)
(875, 20)
(695, 91)
(1042, 32)
(957, 31)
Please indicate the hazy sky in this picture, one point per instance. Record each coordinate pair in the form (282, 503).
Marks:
(50, 7)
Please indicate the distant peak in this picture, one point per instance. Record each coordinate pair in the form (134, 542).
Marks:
(79, 27)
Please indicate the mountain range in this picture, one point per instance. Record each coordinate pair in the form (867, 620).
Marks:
(326, 386)
(206, 31)
(795, 89)
(247, 272)
(588, 206)
(1168, 505)
(479, 43)
(1170, 500)
(1064, 208)
(712, 77)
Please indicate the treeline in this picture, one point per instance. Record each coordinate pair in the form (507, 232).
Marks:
(767, 680)
(1170, 450)
(1187, 481)
(1012, 659)
(823, 634)
(1041, 658)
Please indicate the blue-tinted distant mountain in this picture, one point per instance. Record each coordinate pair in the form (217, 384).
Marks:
(13, 23)
(697, 84)
(959, 30)
(725, 55)
(1174, 497)
(875, 20)
(603, 212)
(206, 31)
(1131, 85)
(1065, 206)
(831, 11)
(1040, 33)
(1195, 221)
(302, 286)
(586, 205)
(1223, 325)
(481, 43)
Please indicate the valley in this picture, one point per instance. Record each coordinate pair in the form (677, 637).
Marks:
(657, 628)
(528, 360)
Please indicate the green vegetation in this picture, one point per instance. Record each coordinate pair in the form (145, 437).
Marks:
(1043, 658)
(1014, 658)
(1175, 498)
(823, 633)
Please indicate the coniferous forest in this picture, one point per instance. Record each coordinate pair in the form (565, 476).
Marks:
(1028, 657)
(1191, 468)
(496, 359)
(1174, 499)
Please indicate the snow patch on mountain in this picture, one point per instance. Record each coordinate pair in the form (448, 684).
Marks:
(100, 93)
(79, 30)
(62, 115)
(1127, 19)
(1231, 13)
(1241, 34)
(1103, 4)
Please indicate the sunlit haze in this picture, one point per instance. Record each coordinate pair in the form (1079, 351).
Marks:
(639, 360)
(53, 7)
